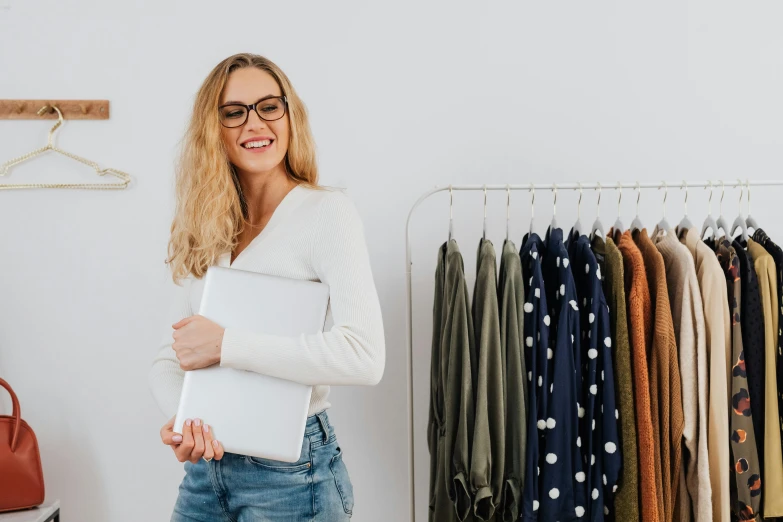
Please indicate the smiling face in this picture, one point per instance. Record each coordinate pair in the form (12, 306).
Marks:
(258, 146)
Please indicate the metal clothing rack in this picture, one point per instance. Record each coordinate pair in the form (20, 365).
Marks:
(554, 187)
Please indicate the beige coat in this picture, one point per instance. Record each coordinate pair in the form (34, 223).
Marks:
(772, 481)
(717, 323)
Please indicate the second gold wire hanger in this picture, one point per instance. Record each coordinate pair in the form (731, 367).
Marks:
(5, 167)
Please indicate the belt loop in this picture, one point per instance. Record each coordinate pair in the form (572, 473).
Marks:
(324, 424)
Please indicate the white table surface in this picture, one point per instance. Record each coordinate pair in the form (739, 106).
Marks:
(38, 514)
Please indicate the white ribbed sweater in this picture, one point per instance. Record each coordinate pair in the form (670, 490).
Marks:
(316, 235)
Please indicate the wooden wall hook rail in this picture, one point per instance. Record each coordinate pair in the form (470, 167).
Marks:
(71, 109)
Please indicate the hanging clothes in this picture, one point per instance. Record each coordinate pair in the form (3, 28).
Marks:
(714, 296)
(598, 432)
(753, 344)
(665, 387)
(562, 480)
(773, 459)
(746, 486)
(511, 295)
(439, 503)
(639, 321)
(626, 500)
(777, 254)
(488, 451)
(688, 316)
(458, 358)
(537, 357)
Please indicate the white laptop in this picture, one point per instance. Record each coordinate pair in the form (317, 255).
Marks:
(250, 413)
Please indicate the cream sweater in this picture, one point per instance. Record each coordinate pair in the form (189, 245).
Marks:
(688, 316)
(717, 323)
(315, 235)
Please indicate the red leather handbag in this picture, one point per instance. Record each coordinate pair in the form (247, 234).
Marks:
(21, 478)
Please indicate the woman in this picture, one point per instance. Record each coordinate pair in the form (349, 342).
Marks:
(247, 197)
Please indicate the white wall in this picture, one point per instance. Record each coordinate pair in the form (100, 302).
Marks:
(403, 96)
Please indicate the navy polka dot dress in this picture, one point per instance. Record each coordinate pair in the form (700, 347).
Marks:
(562, 478)
(597, 410)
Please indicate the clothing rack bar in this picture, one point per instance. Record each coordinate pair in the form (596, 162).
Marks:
(530, 187)
(610, 186)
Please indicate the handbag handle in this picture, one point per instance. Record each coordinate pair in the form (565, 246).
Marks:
(17, 414)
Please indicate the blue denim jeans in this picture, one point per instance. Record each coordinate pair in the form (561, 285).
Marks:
(239, 488)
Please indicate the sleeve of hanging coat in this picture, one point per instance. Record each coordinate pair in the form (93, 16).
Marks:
(753, 344)
(773, 460)
(435, 419)
(698, 471)
(610, 442)
(488, 453)
(458, 399)
(777, 254)
(536, 328)
(512, 301)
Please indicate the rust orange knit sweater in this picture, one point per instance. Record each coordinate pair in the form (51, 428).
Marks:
(639, 315)
(665, 384)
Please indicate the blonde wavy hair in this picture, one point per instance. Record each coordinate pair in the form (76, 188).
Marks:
(211, 209)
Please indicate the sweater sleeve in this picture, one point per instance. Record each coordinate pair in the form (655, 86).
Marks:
(353, 351)
(166, 377)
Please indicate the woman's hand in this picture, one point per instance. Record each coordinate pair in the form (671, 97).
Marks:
(196, 441)
(197, 342)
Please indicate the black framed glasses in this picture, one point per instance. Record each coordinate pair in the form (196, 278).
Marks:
(270, 108)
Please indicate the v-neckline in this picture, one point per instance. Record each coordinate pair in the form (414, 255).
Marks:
(278, 213)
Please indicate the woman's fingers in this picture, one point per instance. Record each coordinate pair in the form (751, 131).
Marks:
(195, 442)
(198, 441)
(217, 447)
(209, 451)
(167, 434)
(185, 449)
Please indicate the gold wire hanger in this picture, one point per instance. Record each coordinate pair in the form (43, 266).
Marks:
(5, 167)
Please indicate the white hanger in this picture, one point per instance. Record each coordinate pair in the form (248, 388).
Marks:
(636, 224)
(598, 227)
(685, 224)
(508, 207)
(739, 223)
(532, 206)
(618, 225)
(484, 233)
(723, 226)
(5, 167)
(709, 223)
(662, 228)
(749, 221)
(553, 225)
(451, 213)
(578, 224)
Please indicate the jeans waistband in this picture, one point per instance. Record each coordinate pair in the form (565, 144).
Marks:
(319, 424)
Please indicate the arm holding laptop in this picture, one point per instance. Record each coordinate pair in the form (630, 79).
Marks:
(351, 353)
